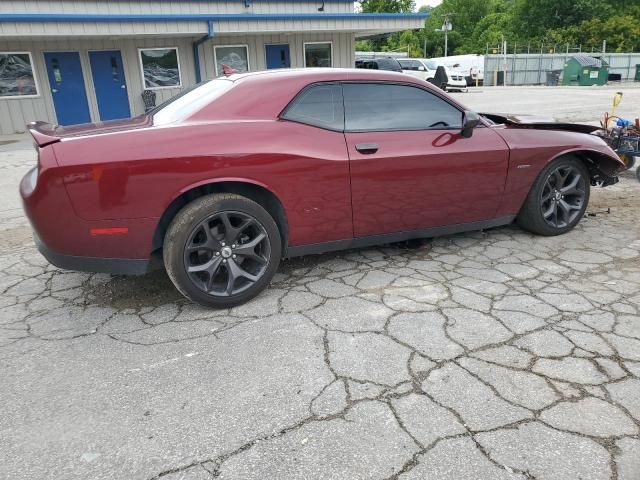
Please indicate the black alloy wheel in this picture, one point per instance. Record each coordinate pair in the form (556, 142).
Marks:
(562, 196)
(222, 249)
(227, 253)
(558, 197)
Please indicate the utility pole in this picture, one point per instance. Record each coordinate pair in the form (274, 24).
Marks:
(446, 36)
(504, 62)
(446, 28)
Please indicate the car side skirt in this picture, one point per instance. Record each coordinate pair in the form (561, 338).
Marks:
(362, 242)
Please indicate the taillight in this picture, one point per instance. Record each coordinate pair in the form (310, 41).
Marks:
(29, 182)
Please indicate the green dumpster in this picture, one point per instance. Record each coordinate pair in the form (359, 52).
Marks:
(584, 70)
(638, 72)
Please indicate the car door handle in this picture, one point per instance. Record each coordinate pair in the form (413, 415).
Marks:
(367, 148)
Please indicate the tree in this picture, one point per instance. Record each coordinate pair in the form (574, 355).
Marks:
(477, 23)
(407, 41)
(490, 31)
(387, 6)
(364, 46)
(622, 33)
(535, 17)
(466, 13)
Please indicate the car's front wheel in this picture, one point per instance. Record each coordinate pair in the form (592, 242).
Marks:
(558, 199)
(222, 250)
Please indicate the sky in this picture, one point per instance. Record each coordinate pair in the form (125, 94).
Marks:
(431, 3)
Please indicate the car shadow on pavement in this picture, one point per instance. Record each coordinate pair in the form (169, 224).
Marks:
(129, 291)
(155, 288)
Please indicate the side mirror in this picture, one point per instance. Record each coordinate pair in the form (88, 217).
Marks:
(421, 69)
(470, 121)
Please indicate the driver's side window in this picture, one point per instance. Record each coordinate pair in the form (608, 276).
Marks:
(383, 106)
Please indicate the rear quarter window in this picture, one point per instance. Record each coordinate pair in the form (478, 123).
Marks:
(190, 101)
(319, 106)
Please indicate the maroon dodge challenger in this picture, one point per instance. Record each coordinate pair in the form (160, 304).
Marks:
(224, 180)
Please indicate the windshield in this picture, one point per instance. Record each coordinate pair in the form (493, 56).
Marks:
(189, 101)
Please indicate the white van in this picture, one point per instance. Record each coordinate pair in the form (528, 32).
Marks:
(471, 66)
(418, 67)
(455, 80)
(425, 69)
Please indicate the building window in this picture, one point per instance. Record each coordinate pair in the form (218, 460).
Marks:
(318, 54)
(234, 56)
(160, 68)
(16, 75)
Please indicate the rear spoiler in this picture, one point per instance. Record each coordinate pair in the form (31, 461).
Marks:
(43, 133)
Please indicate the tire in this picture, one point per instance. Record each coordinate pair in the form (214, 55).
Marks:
(222, 250)
(551, 210)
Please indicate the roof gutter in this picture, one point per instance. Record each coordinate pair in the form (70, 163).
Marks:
(196, 53)
(107, 18)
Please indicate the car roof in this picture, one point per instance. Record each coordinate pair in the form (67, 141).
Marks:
(318, 75)
(421, 60)
(264, 94)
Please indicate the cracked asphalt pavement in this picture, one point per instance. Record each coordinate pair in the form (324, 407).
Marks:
(487, 355)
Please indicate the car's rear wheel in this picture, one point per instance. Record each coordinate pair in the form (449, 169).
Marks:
(222, 250)
(558, 199)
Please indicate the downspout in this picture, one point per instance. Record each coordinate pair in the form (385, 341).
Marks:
(196, 55)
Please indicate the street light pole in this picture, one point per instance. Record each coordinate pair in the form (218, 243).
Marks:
(446, 28)
(446, 35)
(504, 62)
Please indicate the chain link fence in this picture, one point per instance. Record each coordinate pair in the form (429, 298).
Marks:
(532, 68)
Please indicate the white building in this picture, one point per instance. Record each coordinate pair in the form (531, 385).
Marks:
(75, 61)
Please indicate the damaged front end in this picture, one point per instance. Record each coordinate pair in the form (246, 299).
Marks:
(601, 156)
(538, 123)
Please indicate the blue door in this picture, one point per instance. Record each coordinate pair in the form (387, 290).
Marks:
(67, 87)
(278, 56)
(110, 84)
